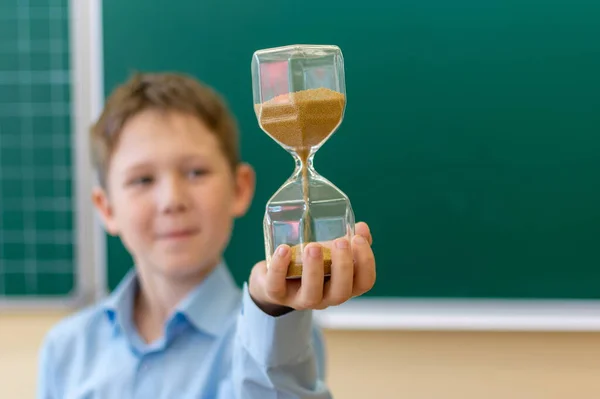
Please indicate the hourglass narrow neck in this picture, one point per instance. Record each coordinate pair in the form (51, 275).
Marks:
(303, 159)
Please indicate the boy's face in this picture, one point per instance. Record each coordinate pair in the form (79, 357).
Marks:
(171, 195)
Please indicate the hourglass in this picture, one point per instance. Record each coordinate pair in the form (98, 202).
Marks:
(300, 99)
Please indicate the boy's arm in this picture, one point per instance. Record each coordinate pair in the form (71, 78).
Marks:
(275, 353)
(277, 357)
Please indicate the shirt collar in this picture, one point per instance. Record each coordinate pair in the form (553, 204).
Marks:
(119, 304)
(208, 307)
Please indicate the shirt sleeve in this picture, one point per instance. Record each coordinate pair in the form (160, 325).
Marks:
(277, 357)
(44, 379)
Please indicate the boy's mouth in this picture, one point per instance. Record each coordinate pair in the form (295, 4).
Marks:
(177, 234)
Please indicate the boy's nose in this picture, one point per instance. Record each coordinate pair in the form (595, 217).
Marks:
(173, 196)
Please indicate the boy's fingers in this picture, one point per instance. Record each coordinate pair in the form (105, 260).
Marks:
(339, 288)
(311, 289)
(364, 269)
(276, 288)
(361, 228)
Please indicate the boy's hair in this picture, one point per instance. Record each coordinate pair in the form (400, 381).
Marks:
(162, 92)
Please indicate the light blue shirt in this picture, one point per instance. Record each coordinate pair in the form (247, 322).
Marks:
(218, 344)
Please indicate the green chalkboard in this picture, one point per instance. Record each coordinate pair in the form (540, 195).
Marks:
(471, 143)
(36, 202)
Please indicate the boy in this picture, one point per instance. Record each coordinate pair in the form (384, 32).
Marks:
(171, 184)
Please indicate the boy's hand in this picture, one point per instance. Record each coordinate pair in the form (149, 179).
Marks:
(352, 274)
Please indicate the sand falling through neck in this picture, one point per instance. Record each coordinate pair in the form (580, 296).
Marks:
(302, 120)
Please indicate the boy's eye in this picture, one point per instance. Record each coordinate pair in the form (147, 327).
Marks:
(197, 172)
(141, 181)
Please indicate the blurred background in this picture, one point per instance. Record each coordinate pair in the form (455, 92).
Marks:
(470, 145)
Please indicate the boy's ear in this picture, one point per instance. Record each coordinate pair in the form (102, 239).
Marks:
(245, 181)
(102, 204)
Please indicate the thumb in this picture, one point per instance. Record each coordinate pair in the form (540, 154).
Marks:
(270, 285)
(257, 281)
